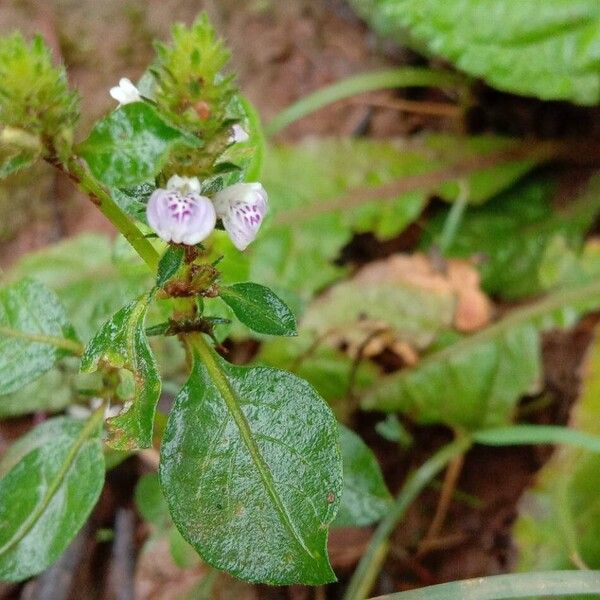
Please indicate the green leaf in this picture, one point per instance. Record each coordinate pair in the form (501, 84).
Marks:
(151, 502)
(526, 246)
(365, 498)
(34, 333)
(122, 343)
(257, 307)
(309, 230)
(131, 145)
(269, 469)
(558, 525)
(169, 264)
(543, 48)
(477, 381)
(89, 282)
(54, 476)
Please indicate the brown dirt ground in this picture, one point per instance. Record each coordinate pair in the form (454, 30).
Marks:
(282, 51)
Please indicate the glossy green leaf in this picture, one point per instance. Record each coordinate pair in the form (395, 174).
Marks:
(131, 145)
(525, 246)
(257, 307)
(249, 430)
(34, 333)
(365, 498)
(306, 236)
(477, 381)
(558, 525)
(122, 342)
(52, 479)
(169, 264)
(543, 48)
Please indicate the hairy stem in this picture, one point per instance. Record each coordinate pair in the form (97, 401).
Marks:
(370, 565)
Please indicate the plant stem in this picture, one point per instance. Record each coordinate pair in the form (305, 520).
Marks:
(449, 486)
(370, 565)
(359, 84)
(112, 211)
(454, 216)
(505, 587)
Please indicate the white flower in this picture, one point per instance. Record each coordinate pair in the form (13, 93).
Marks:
(125, 92)
(242, 208)
(179, 214)
(184, 185)
(238, 134)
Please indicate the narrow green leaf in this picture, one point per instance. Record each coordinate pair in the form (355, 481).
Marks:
(504, 587)
(543, 48)
(131, 145)
(55, 475)
(259, 308)
(34, 333)
(16, 162)
(122, 343)
(266, 448)
(365, 499)
(169, 264)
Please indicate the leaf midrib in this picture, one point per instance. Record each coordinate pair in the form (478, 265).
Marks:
(83, 436)
(206, 356)
(232, 292)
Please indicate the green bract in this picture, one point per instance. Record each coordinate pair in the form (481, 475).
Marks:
(544, 48)
(248, 430)
(131, 145)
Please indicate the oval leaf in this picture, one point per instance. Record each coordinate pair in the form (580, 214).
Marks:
(257, 307)
(365, 499)
(267, 477)
(131, 145)
(122, 342)
(55, 476)
(34, 333)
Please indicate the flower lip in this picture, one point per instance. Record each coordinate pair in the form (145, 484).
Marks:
(238, 134)
(242, 208)
(180, 218)
(125, 92)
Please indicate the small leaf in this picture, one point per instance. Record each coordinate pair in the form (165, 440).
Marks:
(365, 498)
(259, 308)
(34, 333)
(122, 343)
(15, 162)
(151, 502)
(268, 470)
(131, 145)
(54, 477)
(169, 264)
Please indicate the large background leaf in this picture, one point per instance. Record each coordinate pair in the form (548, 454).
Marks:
(29, 312)
(248, 429)
(53, 477)
(477, 381)
(558, 518)
(544, 48)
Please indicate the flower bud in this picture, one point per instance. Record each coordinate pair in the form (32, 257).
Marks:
(180, 218)
(125, 92)
(241, 207)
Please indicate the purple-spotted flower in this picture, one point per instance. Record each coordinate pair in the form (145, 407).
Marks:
(238, 134)
(179, 214)
(242, 208)
(125, 92)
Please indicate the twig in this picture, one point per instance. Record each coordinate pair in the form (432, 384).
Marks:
(122, 567)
